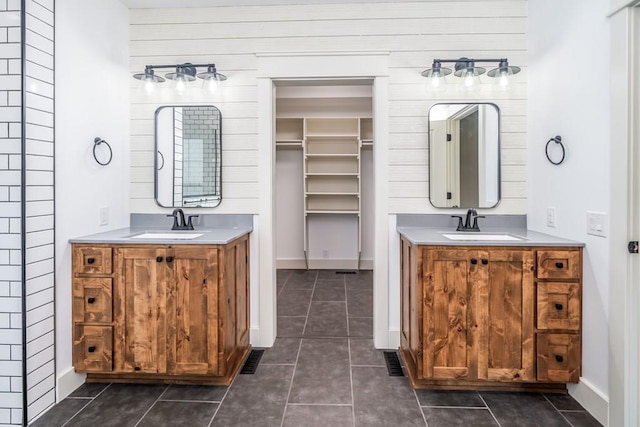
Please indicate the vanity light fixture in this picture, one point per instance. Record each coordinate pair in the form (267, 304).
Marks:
(469, 72)
(183, 74)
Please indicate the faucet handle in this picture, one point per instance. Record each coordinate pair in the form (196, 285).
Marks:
(475, 222)
(175, 220)
(460, 225)
(190, 221)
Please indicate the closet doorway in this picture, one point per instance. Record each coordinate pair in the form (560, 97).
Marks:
(324, 207)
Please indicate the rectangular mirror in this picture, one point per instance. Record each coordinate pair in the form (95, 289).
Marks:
(464, 155)
(188, 164)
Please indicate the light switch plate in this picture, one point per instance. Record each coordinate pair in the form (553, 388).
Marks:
(551, 217)
(597, 223)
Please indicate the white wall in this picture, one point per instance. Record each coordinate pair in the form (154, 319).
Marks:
(413, 32)
(569, 96)
(92, 84)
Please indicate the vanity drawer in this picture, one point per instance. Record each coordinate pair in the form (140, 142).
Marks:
(558, 305)
(559, 357)
(92, 300)
(93, 348)
(564, 264)
(92, 260)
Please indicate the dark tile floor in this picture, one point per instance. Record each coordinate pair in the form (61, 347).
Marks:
(322, 371)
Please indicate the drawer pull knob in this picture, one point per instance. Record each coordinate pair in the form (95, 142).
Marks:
(169, 259)
(485, 261)
(137, 368)
(559, 265)
(91, 300)
(559, 358)
(159, 259)
(559, 306)
(92, 349)
(90, 260)
(474, 261)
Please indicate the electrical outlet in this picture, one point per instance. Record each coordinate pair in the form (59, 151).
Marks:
(551, 217)
(597, 223)
(104, 216)
(325, 253)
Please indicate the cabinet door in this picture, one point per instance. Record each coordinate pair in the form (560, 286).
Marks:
(139, 310)
(449, 325)
(506, 350)
(192, 310)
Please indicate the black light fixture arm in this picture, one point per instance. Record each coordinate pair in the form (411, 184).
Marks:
(186, 64)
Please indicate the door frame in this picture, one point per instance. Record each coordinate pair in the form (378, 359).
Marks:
(316, 66)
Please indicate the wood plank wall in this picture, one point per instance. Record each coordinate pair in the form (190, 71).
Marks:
(414, 33)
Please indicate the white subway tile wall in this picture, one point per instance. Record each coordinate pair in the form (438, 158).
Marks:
(39, 214)
(38, 208)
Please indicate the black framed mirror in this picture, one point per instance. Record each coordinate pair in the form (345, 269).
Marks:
(188, 163)
(464, 155)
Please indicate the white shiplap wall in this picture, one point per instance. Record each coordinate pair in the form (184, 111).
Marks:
(10, 213)
(414, 33)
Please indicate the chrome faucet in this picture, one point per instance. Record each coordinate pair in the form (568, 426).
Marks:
(468, 225)
(179, 222)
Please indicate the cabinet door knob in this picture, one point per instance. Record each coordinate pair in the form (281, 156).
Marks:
(559, 265)
(559, 358)
(169, 259)
(90, 260)
(559, 306)
(91, 349)
(91, 300)
(485, 261)
(137, 368)
(474, 261)
(159, 259)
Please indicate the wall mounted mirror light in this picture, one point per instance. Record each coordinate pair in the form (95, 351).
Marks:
(469, 72)
(464, 155)
(181, 76)
(188, 164)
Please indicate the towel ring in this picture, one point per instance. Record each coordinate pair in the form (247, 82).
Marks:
(97, 141)
(558, 140)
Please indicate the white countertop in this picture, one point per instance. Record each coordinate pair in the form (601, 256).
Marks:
(217, 236)
(434, 236)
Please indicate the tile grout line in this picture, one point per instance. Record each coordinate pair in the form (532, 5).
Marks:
(353, 400)
(346, 309)
(557, 410)
(313, 290)
(424, 418)
(89, 403)
(284, 285)
(152, 405)
(226, 392)
(293, 374)
(489, 408)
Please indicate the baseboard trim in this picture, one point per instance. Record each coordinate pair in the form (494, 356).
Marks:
(324, 264)
(592, 399)
(68, 382)
(394, 338)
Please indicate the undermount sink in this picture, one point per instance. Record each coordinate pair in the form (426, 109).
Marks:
(166, 235)
(483, 236)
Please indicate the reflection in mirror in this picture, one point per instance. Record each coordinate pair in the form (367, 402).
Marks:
(464, 155)
(188, 164)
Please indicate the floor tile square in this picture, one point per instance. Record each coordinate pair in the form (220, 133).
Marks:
(361, 327)
(463, 417)
(580, 419)
(364, 353)
(360, 302)
(329, 291)
(326, 319)
(197, 393)
(283, 352)
(523, 409)
(89, 390)
(322, 373)
(291, 326)
(294, 302)
(564, 402)
(465, 399)
(61, 413)
(318, 416)
(179, 414)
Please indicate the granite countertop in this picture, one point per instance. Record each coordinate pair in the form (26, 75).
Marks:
(217, 236)
(434, 236)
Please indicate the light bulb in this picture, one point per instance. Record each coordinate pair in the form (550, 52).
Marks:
(180, 84)
(210, 85)
(468, 78)
(436, 80)
(503, 80)
(149, 85)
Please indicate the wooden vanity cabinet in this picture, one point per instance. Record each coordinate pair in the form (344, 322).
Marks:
(483, 317)
(178, 313)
